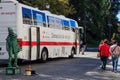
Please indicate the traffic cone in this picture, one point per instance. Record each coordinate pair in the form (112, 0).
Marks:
(28, 70)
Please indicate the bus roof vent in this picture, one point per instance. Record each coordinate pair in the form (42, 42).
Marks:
(9, 1)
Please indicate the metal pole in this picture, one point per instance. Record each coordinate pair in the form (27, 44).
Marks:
(85, 29)
(85, 32)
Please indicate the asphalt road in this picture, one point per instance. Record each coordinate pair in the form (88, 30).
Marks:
(82, 67)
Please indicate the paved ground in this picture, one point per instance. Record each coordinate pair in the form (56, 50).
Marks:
(98, 74)
(93, 74)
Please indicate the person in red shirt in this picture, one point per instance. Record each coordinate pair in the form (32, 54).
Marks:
(104, 53)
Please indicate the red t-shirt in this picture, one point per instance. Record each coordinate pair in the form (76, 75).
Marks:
(104, 50)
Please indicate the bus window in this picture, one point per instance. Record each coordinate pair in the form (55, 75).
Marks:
(39, 18)
(55, 23)
(51, 22)
(66, 25)
(26, 14)
(73, 25)
(58, 23)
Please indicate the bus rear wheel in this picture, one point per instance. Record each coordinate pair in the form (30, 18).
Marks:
(44, 55)
(72, 53)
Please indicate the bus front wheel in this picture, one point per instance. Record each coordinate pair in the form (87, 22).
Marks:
(72, 53)
(44, 55)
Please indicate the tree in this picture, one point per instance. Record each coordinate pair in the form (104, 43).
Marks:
(115, 7)
(98, 15)
(60, 7)
(95, 14)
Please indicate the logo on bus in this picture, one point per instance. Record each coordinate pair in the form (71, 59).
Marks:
(7, 13)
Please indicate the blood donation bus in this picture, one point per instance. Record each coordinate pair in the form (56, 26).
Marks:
(41, 34)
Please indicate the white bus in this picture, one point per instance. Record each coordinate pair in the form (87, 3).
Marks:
(41, 34)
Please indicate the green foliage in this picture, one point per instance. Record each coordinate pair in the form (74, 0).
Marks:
(100, 14)
(60, 7)
(95, 14)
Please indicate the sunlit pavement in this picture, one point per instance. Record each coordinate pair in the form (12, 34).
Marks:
(97, 73)
(82, 73)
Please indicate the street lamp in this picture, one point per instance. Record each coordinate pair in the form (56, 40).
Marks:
(47, 5)
(79, 19)
(84, 24)
(84, 35)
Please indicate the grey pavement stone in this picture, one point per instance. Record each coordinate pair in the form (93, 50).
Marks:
(99, 74)
(94, 74)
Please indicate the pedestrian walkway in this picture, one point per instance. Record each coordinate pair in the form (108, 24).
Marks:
(98, 73)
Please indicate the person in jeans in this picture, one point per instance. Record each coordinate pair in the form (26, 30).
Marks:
(104, 53)
(115, 53)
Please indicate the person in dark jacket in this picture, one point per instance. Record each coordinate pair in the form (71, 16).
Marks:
(83, 47)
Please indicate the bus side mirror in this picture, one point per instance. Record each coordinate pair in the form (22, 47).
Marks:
(81, 31)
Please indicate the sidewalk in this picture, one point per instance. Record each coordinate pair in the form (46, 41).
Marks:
(101, 74)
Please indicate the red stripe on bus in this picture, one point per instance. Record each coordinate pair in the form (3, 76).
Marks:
(57, 43)
(27, 43)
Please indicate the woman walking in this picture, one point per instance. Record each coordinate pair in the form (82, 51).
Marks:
(115, 53)
(104, 53)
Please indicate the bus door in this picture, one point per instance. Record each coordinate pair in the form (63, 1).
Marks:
(34, 43)
(77, 39)
(80, 35)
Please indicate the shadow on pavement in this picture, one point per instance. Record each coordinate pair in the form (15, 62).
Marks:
(78, 68)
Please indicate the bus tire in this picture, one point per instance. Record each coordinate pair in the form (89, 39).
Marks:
(20, 61)
(72, 53)
(44, 56)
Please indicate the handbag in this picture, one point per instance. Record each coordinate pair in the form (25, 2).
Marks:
(113, 50)
(98, 54)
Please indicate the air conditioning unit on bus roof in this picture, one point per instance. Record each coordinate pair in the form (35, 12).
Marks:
(9, 1)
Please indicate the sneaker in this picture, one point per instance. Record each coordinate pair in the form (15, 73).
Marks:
(115, 71)
(103, 68)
